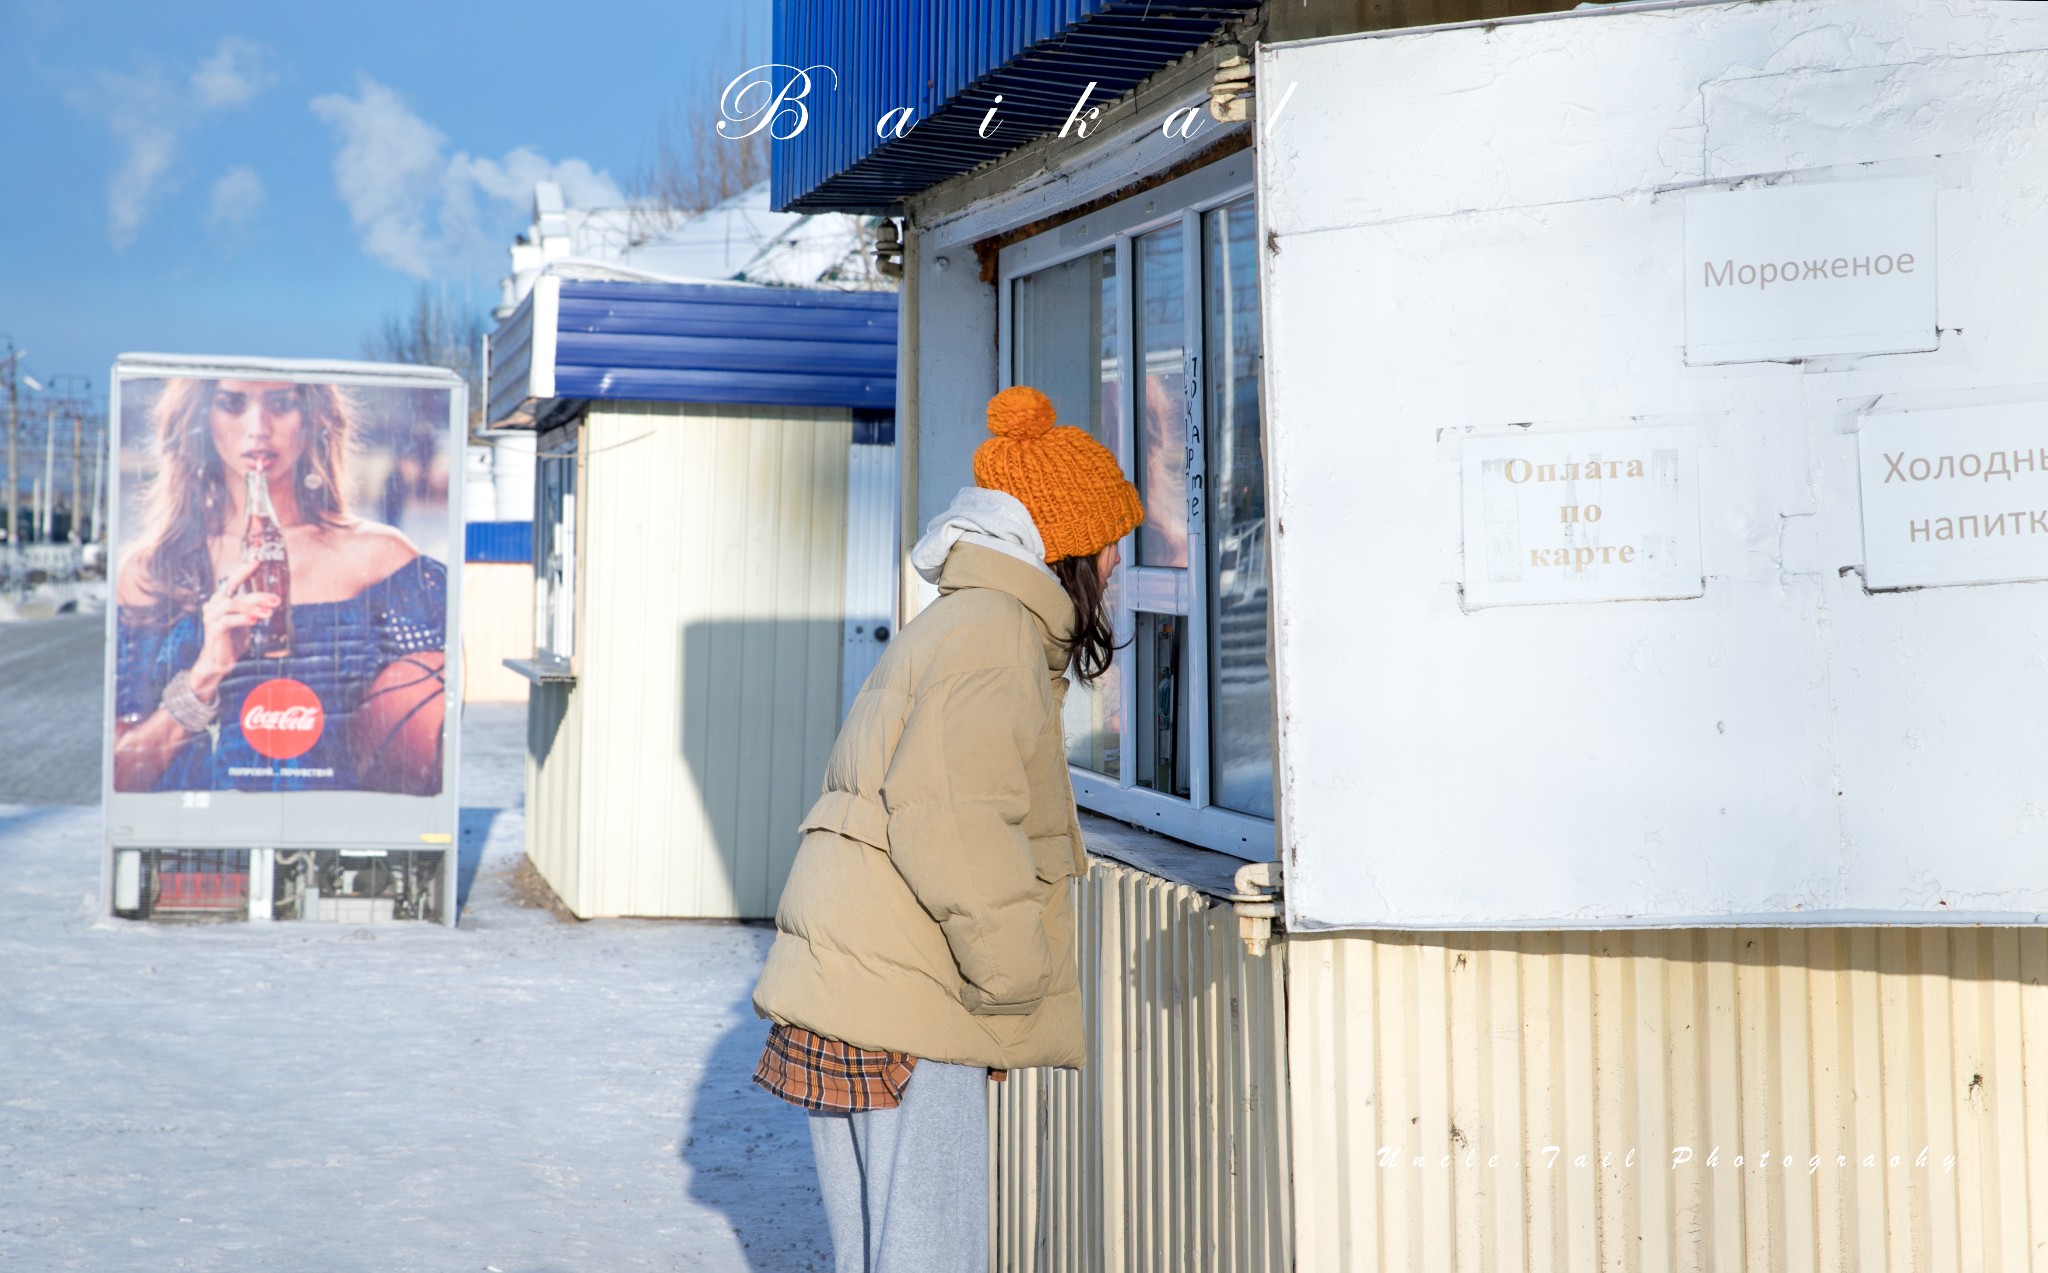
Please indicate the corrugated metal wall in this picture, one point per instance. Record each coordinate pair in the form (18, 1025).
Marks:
(723, 343)
(510, 380)
(709, 634)
(1168, 1151)
(1418, 1062)
(554, 787)
(498, 541)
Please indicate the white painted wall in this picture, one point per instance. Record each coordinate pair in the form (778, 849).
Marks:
(1480, 232)
(956, 369)
(497, 479)
(512, 463)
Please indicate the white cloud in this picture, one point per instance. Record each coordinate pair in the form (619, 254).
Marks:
(237, 197)
(387, 172)
(513, 178)
(148, 111)
(140, 110)
(417, 208)
(233, 76)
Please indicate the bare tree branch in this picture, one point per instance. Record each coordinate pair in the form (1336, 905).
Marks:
(431, 332)
(692, 167)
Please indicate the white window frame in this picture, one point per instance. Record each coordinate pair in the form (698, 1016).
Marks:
(1154, 590)
(556, 604)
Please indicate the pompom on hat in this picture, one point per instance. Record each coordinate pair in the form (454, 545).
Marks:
(1075, 489)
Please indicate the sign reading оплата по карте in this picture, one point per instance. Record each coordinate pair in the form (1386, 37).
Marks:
(1594, 515)
(1809, 269)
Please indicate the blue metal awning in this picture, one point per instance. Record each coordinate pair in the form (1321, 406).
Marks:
(577, 340)
(948, 59)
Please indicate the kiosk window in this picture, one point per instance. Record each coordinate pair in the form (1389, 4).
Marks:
(1179, 736)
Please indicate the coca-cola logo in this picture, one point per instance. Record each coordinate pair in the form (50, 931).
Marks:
(282, 719)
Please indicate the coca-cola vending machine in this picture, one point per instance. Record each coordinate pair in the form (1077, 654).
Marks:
(281, 664)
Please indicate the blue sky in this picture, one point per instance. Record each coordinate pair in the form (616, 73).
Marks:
(273, 178)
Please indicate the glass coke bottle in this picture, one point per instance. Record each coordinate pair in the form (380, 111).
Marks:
(263, 542)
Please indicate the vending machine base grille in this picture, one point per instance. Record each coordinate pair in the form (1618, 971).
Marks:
(338, 886)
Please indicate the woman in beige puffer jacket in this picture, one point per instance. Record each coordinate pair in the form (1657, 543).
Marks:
(925, 936)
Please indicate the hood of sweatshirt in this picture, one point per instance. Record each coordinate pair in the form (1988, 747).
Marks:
(986, 519)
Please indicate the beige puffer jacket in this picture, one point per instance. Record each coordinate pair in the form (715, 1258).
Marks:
(927, 911)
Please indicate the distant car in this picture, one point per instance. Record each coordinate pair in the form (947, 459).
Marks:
(1241, 565)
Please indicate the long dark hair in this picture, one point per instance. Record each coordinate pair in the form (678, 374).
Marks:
(185, 501)
(1093, 642)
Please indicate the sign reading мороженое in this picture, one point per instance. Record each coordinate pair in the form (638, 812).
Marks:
(1598, 515)
(1955, 496)
(1809, 270)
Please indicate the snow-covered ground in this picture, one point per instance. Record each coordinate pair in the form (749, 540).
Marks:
(520, 1093)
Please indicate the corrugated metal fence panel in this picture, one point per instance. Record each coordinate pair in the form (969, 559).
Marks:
(872, 491)
(1631, 1100)
(554, 796)
(713, 576)
(949, 60)
(1169, 1150)
(686, 342)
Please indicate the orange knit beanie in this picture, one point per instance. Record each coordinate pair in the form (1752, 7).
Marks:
(1075, 489)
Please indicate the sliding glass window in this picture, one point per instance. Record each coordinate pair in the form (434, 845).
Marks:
(1141, 323)
(1064, 341)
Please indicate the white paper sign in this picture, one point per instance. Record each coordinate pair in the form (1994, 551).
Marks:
(1809, 270)
(1955, 496)
(1607, 515)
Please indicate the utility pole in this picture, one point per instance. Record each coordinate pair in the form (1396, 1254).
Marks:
(73, 531)
(99, 480)
(49, 467)
(13, 428)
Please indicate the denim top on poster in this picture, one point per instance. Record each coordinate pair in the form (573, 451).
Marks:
(338, 647)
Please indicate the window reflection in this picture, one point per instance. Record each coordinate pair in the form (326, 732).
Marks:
(1091, 720)
(555, 551)
(1240, 669)
(1065, 340)
(1065, 343)
(1160, 653)
(1162, 421)
(1064, 321)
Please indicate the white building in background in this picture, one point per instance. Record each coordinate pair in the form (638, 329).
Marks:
(739, 241)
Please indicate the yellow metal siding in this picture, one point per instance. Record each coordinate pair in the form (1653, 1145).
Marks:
(1843, 1048)
(554, 772)
(1168, 1151)
(709, 634)
(497, 624)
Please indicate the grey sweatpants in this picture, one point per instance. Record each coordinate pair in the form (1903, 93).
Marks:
(906, 1189)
